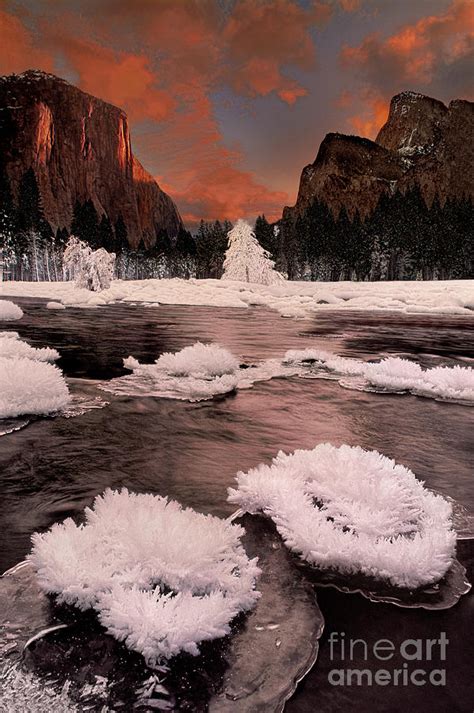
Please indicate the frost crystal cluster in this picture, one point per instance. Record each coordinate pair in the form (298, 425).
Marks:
(161, 578)
(354, 511)
(9, 311)
(11, 346)
(30, 387)
(90, 269)
(246, 260)
(195, 373)
(395, 374)
(28, 384)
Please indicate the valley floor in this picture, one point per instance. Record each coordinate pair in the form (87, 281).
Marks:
(290, 299)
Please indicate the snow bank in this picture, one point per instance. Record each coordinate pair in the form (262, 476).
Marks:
(9, 311)
(354, 511)
(290, 299)
(55, 305)
(161, 578)
(13, 347)
(30, 387)
(394, 374)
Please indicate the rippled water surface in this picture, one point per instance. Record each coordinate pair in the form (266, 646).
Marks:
(54, 467)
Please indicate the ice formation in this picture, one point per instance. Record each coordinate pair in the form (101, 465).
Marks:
(55, 305)
(9, 311)
(161, 578)
(198, 360)
(22, 691)
(14, 347)
(196, 373)
(30, 387)
(394, 374)
(354, 511)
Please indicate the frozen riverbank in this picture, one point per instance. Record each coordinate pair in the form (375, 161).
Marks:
(290, 299)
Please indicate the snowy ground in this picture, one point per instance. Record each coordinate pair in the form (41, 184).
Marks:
(290, 299)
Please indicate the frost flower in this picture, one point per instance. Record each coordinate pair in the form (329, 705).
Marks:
(161, 578)
(353, 511)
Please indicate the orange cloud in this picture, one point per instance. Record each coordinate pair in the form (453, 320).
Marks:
(416, 53)
(261, 37)
(18, 47)
(161, 61)
(118, 77)
(369, 121)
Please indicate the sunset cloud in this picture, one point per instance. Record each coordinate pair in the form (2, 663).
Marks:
(18, 45)
(416, 53)
(431, 55)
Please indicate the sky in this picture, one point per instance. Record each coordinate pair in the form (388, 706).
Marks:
(228, 100)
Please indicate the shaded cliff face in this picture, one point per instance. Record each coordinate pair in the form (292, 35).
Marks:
(423, 143)
(79, 148)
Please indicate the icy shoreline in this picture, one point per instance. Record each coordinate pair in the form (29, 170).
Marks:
(290, 299)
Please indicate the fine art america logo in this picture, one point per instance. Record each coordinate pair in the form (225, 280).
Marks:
(416, 662)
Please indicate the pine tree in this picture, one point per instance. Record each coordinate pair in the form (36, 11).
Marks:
(105, 233)
(85, 223)
(246, 260)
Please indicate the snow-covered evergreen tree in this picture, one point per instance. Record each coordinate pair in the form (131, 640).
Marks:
(92, 269)
(246, 260)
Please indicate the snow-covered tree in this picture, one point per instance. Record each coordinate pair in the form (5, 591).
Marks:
(91, 269)
(246, 260)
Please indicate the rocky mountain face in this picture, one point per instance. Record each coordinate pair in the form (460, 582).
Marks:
(423, 144)
(79, 149)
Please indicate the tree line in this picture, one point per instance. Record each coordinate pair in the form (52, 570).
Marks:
(403, 239)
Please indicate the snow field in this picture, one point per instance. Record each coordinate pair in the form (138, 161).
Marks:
(289, 299)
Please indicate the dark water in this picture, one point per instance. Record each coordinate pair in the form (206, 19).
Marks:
(53, 468)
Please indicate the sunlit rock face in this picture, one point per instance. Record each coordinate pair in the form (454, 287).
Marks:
(423, 143)
(79, 148)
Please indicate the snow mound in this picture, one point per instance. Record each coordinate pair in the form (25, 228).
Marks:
(199, 360)
(161, 578)
(354, 511)
(16, 348)
(30, 387)
(55, 305)
(394, 374)
(9, 311)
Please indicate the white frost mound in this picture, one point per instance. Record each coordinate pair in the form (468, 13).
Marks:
(195, 373)
(199, 360)
(55, 305)
(9, 311)
(13, 347)
(30, 387)
(354, 511)
(161, 578)
(449, 382)
(395, 374)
